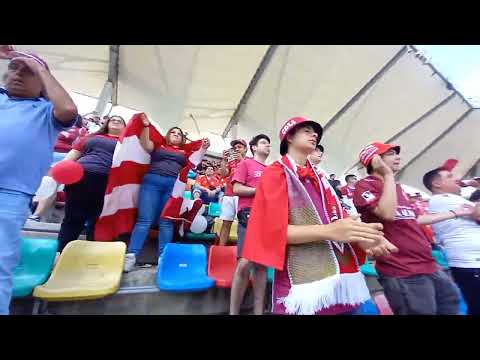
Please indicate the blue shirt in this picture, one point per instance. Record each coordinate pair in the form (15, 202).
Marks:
(28, 132)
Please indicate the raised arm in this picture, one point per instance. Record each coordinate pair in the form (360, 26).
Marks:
(387, 204)
(64, 109)
(145, 141)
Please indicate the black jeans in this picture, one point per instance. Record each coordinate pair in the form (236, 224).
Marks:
(84, 203)
(468, 280)
(434, 294)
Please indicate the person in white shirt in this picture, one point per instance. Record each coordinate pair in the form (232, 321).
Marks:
(459, 236)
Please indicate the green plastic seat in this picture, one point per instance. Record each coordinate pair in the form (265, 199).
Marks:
(440, 258)
(201, 237)
(368, 269)
(214, 209)
(36, 264)
(270, 274)
(187, 195)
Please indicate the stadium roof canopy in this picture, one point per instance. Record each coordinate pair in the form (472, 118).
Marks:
(358, 93)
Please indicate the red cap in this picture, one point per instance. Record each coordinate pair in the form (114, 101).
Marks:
(449, 164)
(238, 141)
(31, 55)
(293, 123)
(376, 148)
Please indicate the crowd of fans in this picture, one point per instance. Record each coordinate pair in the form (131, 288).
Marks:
(292, 216)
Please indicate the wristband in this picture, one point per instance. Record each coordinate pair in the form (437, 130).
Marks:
(454, 213)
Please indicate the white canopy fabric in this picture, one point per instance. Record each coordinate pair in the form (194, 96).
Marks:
(358, 93)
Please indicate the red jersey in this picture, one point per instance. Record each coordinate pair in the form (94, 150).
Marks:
(347, 191)
(211, 183)
(415, 253)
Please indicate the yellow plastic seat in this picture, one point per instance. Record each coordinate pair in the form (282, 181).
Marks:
(217, 226)
(85, 270)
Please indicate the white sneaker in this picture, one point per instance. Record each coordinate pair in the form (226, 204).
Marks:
(130, 261)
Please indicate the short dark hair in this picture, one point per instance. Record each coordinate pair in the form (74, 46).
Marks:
(429, 177)
(332, 175)
(475, 195)
(349, 176)
(256, 139)
(320, 147)
(369, 169)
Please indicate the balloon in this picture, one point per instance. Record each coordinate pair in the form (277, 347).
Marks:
(199, 225)
(67, 172)
(47, 188)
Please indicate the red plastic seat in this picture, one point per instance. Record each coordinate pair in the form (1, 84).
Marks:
(222, 261)
(382, 304)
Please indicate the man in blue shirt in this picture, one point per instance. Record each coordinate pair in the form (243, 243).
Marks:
(34, 108)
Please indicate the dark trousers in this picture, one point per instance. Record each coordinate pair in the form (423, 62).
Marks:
(468, 280)
(434, 294)
(206, 199)
(83, 204)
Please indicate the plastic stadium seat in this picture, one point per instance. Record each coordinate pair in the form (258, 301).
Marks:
(200, 237)
(222, 261)
(85, 270)
(214, 209)
(368, 269)
(440, 258)
(217, 226)
(183, 268)
(270, 274)
(382, 304)
(36, 263)
(367, 308)
(187, 195)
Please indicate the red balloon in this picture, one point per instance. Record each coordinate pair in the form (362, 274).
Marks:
(67, 172)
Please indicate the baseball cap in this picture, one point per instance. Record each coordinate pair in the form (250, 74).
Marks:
(449, 164)
(292, 124)
(375, 148)
(238, 141)
(33, 56)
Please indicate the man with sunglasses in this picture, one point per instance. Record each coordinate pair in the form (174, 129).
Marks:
(34, 109)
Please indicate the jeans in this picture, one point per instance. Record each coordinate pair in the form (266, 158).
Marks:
(84, 204)
(433, 294)
(468, 280)
(14, 210)
(154, 194)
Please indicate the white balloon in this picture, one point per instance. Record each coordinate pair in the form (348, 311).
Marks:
(47, 188)
(199, 225)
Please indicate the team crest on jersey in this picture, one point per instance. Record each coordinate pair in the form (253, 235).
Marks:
(368, 196)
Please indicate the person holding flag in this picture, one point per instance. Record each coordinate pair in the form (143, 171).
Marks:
(150, 171)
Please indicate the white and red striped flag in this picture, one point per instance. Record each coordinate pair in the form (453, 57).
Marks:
(130, 163)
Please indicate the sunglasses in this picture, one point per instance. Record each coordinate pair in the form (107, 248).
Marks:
(116, 120)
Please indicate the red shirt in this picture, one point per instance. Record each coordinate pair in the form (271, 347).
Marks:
(415, 253)
(347, 191)
(231, 166)
(248, 173)
(66, 138)
(211, 183)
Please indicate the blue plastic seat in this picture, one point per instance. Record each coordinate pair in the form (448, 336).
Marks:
(367, 308)
(36, 264)
(187, 195)
(183, 268)
(214, 209)
(368, 269)
(192, 174)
